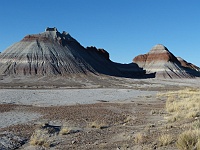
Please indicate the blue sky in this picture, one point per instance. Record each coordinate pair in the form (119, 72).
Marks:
(125, 28)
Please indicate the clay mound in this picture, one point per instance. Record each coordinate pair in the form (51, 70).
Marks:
(162, 62)
(186, 64)
(48, 53)
(189, 67)
(53, 53)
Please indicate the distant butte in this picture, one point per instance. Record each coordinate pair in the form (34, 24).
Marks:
(52, 53)
(164, 64)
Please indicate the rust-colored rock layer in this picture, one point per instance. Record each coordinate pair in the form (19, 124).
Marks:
(162, 62)
(52, 53)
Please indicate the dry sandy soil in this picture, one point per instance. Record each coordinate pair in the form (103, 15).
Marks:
(109, 116)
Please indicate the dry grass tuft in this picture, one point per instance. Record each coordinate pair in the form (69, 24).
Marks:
(157, 112)
(65, 130)
(128, 119)
(68, 130)
(98, 125)
(193, 125)
(44, 135)
(198, 145)
(165, 139)
(40, 138)
(189, 140)
(140, 138)
(196, 124)
(182, 104)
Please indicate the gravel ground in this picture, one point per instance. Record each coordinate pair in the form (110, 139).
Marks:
(125, 112)
(56, 97)
(16, 117)
(62, 97)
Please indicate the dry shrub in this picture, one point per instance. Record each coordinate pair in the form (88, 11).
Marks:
(40, 138)
(65, 130)
(198, 144)
(189, 140)
(165, 139)
(173, 118)
(128, 119)
(157, 112)
(140, 138)
(196, 124)
(154, 111)
(97, 124)
(68, 130)
(44, 135)
(193, 125)
(182, 104)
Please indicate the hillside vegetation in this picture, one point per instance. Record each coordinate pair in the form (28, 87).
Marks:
(183, 113)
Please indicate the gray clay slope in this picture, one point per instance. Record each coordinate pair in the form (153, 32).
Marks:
(54, 53)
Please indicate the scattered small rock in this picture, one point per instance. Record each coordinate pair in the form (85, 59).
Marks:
(103, 101)
(74, 142)
(10, 141)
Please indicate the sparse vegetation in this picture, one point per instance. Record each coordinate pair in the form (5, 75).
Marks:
(43, 135)
(40, 138)
(130, 126)
(68, 130)
(65, 130)
(165, 139)
(189, 140)
(184, 106)
(128, 119)
(140, 138)
(196, 124)
(154, 111)
(46, 134)
(97, 124)
(157, 112)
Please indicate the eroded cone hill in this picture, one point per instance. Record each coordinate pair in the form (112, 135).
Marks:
(164, 64)
(53, 53)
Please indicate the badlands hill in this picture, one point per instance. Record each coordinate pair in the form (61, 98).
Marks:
(52, 53)
(187, 65)
(164, 64)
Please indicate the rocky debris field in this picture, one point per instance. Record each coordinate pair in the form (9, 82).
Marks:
(90, 126)
(132, 118)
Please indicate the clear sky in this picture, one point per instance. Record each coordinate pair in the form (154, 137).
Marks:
(125, 28)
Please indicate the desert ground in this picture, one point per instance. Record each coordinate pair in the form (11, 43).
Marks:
(108, 113)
